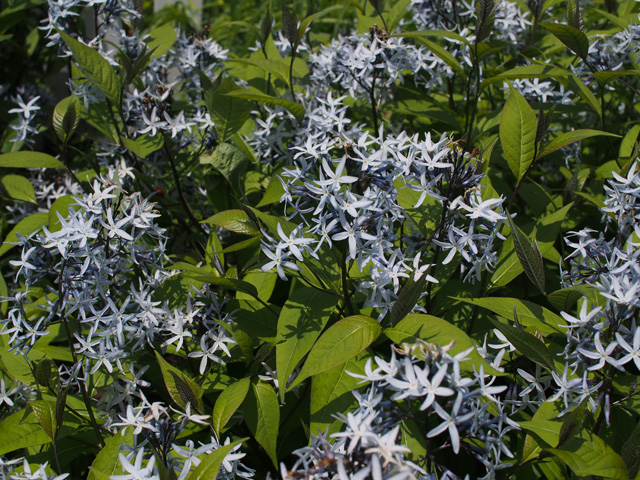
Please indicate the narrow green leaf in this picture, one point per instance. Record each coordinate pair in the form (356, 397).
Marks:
(228, 402)
(19, 188)
(408, 296)
(564, 299)
(18, 432)
(107, 462)
(485, 18)
(341, 342)
(529, 255)
(589, 455)
(572, 423)
(443, 54)
(527, 344)
(274, 190)
(256, 95)
(162, 39)
(631, 452)
(435, 33)
(25, 227)
(210, 466)
(573, 39)
(235, 221)
(181, 388)
(440, 332)
(144, 145)
(207, 276)
(29, 160)
(331, 393)
(518, 133)
(568, 138)
(605, 77)
(529, 314)
(577, 85)
(262, 415)
(529, 71)
(289, 25)
(95, 67)
(301, 320)
(66, 117)
(45, 412)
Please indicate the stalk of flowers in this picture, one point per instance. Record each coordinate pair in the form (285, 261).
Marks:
(346, 189)
(420, 385)
(604, 337)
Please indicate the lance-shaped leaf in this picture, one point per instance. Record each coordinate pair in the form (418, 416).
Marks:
(162, 39)
(29, 160)
(289, 26)
(18, 188)
(529, 255)
(302, 319)
(573, 39)
(255, 95)
(544, 120)
(631, 452)
(340, 343)
(228, 113)
(485, 18)
(527, 344)
(572, 424)
(66, 117)
(235, 221)
(574, 17)
(568, 138)
(266, 26)
(518, 127)
(181, 388)
(408, 296)
(210, 466)
(95, 67)
(262, 415)
(19, 431)
(45, 412)
(228, 402)
(107, 462)
(144, 145)
(25, 227)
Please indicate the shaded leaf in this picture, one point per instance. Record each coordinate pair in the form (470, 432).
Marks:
(529, 255)
(66, 117)
(181, 388)
(45, 412)
(573, 39)
(527, 344)
(25, 227)
(253, 94)
(29, 160)
(485, 18)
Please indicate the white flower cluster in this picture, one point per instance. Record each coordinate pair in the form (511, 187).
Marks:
(426, 379)
(605, 334)
(27, 112)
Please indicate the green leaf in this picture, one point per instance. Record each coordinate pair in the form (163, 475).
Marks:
(95, 67)
(427, 215)
(229, 160)
(262, 415)
(19, 188)
(228, 402)
(29, 160)
(25, 227)
(605, 77)
(568, 138)
(228, 113)
(301, 320)
(547, 228)
(45, 412)
(435, 33)
(210, 465)
(528, 71)
(60, 206)
(271, 222)
(574, 39)
(256, 95)
(107, 461)
(527, 344)
(631, 452)
(207, 276)
(440, 332)
(144, 145)
(564, 299)
(18, 432)
(331, 393)
(518, 133)
(408, 296)
(235, 221)
(572, 423)
(289, 25)
(589, 455)
(274, 190)
(443, 54)
(66, 117)
(341, 342)
(181, 388)
(576, 84)
(485, 15)
(529, 255)
(275, 67)
(529, 314)
(162, 39)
